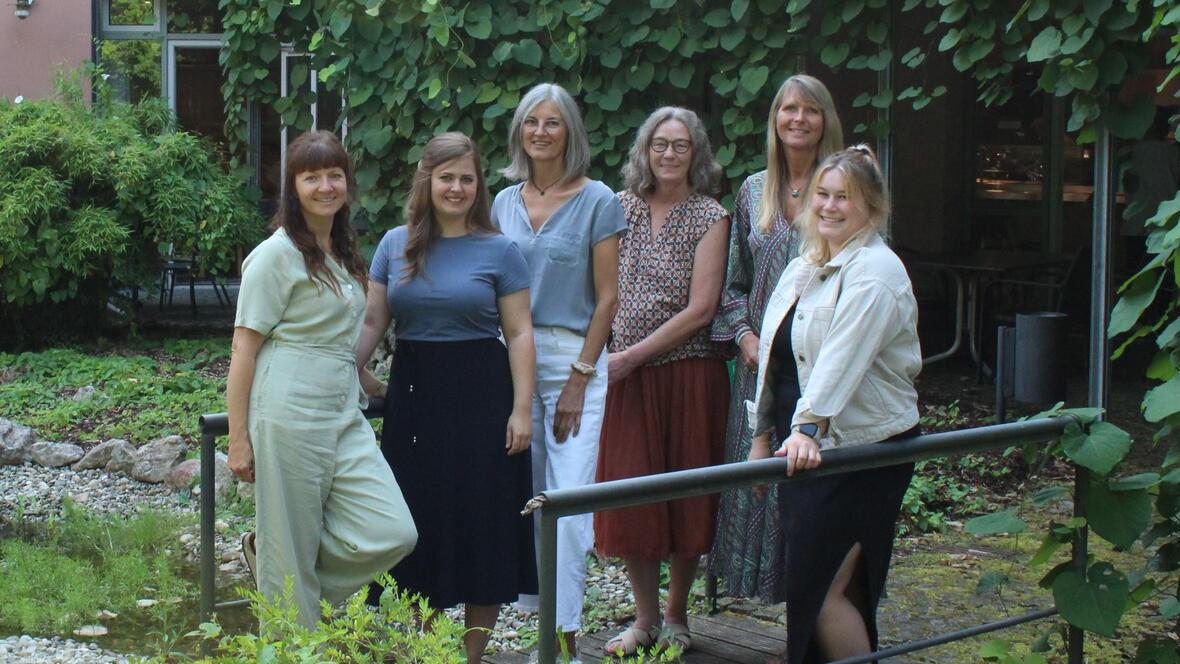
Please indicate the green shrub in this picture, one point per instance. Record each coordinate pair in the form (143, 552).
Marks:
(93, 196)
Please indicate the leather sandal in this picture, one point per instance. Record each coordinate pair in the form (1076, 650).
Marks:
(674, 635)
(630, 640)
(250, 555)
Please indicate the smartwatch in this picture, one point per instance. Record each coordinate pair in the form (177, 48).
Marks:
(809, 429)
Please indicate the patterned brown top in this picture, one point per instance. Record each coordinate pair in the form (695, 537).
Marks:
(655, 274)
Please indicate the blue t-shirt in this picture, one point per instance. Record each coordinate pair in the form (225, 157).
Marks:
(454, 297)
(559, 256)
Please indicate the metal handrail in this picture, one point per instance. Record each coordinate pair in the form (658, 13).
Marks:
(213, 426)
(702, 481)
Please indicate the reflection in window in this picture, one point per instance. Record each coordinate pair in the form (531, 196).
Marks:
(199, 107)
(194, 17)
(133, 66)
(132, 12)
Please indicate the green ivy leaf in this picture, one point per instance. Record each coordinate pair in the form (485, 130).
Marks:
(950, 39)
(528, 52)
(851, 9)
(1134, 482)
(434, 88)
(1100, 450)
(611, 99)
(1037, 10)
(639, 76)
(726, 153)
(611, 57)
(996, 524)
(503, 51)
(1131, 122)
(341, 20)
(753, 78)
(877, 32)
(834, 53)
(360, 95)
(1162, 401)
(1045, 45)
(670, 38)
(738, 9)
(1118, 517)
(955, 11)
(1136, 296)
(681, 76)
(718, 18)
(375, 140)
(1094, 602)
(481, 29)
(663, 4)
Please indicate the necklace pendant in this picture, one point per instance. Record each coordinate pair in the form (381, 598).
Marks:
(795, 193)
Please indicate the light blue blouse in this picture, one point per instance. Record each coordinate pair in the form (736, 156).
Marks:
(454, 298)
(559, 255)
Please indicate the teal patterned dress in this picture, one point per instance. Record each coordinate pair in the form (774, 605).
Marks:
(748, 556)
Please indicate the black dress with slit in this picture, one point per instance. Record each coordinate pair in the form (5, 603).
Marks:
(825, 516)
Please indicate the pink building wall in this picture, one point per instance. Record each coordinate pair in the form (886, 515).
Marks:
(55, 35)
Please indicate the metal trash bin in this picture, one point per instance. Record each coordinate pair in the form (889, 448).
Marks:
(1040, 357)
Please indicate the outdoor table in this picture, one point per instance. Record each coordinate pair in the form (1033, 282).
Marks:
(969, 271)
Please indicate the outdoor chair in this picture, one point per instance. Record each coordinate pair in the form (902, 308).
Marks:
(178, 268)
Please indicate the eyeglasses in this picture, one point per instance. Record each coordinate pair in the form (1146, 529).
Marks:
(679, 147)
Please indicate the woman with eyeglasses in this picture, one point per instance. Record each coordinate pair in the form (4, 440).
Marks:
(665, 407)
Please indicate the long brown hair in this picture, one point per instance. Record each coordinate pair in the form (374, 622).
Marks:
(420, 225)
(313, 151)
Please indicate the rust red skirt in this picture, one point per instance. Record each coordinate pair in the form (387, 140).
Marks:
(658, 419)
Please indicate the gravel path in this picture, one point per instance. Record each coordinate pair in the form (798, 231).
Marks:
(29, 650)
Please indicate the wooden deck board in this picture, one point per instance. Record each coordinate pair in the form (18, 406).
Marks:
(715, 640)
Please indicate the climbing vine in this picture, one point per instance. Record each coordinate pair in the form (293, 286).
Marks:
(408, 70)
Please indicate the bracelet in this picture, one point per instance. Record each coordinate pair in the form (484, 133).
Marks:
(584, 368)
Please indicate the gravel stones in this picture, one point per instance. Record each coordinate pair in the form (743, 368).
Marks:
(28, 650)
(15, 441)
(35, 493)
(53, 455)
(154, 460)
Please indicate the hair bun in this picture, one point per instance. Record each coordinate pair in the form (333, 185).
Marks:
(864, 150)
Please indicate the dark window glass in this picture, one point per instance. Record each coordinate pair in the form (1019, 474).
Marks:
(194, 16)
(131, 12)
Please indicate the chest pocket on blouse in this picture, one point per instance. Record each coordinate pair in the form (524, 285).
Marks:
(565, 248)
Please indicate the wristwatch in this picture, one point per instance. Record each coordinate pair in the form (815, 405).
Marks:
(809, 429)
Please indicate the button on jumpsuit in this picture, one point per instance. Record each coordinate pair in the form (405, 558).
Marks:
(330, 514)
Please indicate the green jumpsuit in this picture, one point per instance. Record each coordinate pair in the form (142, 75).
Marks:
(329, 513)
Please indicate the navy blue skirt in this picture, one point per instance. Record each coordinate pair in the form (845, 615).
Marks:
(446, 418)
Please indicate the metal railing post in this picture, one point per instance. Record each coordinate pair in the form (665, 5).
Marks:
(208, 489)
(547, 578)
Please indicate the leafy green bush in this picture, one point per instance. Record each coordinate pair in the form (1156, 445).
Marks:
(94, 194)
(81, 564)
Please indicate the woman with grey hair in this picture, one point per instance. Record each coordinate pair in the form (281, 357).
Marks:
(568, 227)
(667, 377)
(801, 130)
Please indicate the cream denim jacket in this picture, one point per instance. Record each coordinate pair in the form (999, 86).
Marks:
(855, 339)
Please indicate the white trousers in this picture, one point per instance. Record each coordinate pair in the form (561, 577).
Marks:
(567, 464)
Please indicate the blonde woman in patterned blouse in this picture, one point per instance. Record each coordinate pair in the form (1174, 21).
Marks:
(665, 406)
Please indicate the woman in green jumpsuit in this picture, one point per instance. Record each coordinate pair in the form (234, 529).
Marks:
(330, 515)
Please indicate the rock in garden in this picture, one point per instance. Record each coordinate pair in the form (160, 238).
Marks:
(154, 460)
(123, 457)
(84, 393)
(53, 455)
(100, 454)
(184, 474)
(15, 441)
(90, 631)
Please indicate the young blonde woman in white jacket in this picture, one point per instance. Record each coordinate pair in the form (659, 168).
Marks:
(837, 361)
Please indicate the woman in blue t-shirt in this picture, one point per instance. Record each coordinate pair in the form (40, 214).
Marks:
(457, 413)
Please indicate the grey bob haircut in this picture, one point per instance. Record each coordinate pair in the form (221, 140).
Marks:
(703, 173)
(577, 144)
